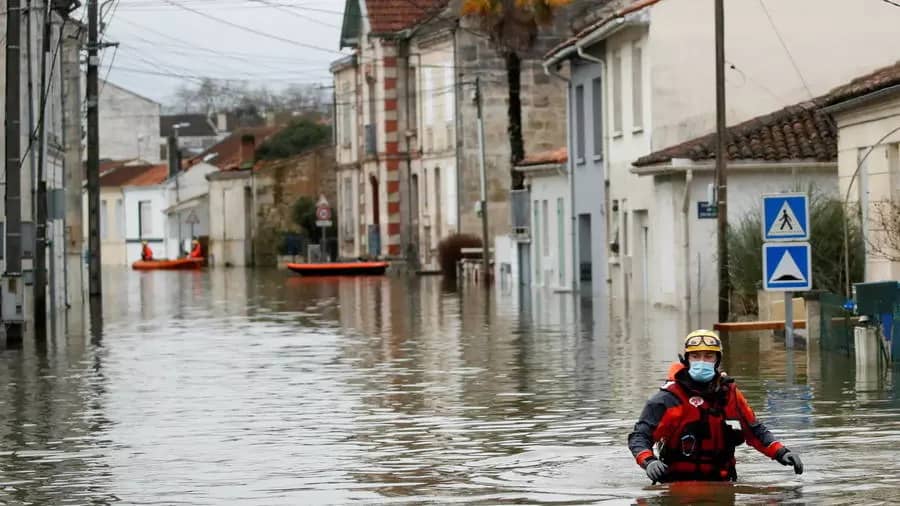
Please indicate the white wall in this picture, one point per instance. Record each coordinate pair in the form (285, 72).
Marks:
(631, 193)
(878, 180)
(348, 213)
(347, 129)
(229, 208)
(437, 204)
(551, 254)
(156, 195)
(745, 189)
(129, 125)
(112, 237)
(192, 186)
(832, 41)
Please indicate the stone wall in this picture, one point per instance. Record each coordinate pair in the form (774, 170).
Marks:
(279, 183)
(543, 101)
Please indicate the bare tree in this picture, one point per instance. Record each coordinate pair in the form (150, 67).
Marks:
(883, 237)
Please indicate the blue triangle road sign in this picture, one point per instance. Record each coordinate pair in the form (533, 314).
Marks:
(785, 217)
(787, 267)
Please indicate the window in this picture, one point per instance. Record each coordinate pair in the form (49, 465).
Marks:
(347, 218)
(597, 116)
(637, 91)
(346, 121)
(104, 226)
(120, 218)
(617, 94)
(425, 188)
(145, 218)
(545, 210)
(438, 212)
(579, 123)
(561, 239)
(414, 93)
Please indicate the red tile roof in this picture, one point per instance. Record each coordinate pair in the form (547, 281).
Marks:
(228, 151)
(880, 79)
(559, 156)
(609, 10)
(798, 132)
(386, 16)
(134, 175)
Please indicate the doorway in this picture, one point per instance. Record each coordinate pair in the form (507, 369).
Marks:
(585, 265)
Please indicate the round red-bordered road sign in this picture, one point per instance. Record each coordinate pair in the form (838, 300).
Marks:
(323, 213)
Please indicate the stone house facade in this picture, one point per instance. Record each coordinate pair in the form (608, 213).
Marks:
(430, 58)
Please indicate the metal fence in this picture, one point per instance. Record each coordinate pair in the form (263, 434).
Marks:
(836, 324)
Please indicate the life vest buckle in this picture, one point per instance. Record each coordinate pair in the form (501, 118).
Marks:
(688, 444)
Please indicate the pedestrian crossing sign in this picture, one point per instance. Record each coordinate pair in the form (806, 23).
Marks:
(787, 267)
(785, 217)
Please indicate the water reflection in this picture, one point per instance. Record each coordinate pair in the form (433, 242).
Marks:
(257, 387)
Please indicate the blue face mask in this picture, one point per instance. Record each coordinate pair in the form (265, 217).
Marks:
(702, 372)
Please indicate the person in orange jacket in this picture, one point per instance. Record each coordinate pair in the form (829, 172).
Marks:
(699, 416)
(146, 252)
(196, 250)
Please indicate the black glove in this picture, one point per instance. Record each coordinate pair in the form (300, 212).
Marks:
(788, 458)
(655, 469)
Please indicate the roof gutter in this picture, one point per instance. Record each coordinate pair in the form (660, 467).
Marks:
(672, 167)
(863, 99)
(551, 63)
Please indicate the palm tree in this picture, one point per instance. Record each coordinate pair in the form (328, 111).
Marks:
(512, 26)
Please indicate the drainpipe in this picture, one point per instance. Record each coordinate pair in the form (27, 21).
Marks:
(457, 116)
(686, 246)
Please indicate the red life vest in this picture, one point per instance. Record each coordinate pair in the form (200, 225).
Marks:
(697, 443)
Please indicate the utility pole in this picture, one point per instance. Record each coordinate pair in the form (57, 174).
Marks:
(93, 155)
(485, 260)
(40, 250)
(13, 163)
(721, 164)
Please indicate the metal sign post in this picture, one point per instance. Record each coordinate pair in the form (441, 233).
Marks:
(787, 266)
(323, 221)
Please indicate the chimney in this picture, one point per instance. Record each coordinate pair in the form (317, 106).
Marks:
(248, 148)
(222, 122)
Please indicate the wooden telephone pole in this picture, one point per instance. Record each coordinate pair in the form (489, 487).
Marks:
(721, 164)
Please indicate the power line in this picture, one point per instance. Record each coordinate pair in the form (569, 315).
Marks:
(185, 44)
(786, 50)
(252, 30)
(291, 11)
(891, 2)
(108, 70)
(45, 95)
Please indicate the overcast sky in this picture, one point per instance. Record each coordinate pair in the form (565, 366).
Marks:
(163, 43)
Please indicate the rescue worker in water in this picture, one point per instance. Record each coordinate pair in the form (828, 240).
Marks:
(196, 250)
(699, 416)
(146, 252)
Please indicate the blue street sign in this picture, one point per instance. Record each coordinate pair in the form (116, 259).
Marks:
(787, 267)
(785, 217)
(706, 211)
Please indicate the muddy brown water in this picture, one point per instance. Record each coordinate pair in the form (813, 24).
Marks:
(260, 387)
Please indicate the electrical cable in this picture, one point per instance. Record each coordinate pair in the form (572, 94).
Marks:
(252, 30)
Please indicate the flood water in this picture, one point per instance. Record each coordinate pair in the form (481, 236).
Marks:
(259, 387)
